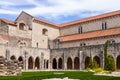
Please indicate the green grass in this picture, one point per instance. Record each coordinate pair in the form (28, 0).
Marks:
(50, 74)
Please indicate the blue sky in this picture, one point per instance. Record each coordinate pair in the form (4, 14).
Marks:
(57, 11)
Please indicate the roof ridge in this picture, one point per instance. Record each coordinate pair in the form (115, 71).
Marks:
(47, 22)
(90, 18)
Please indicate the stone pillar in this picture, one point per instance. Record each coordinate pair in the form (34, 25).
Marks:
(72, 64)
(50, 64)
(25, 61)
(57, 63)
(33, 63)
(44, 64)
(81, 60)
(102, 59)
(42, 61)
(65, 66)
(64, 62)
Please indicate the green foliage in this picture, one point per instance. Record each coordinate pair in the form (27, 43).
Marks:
(109, 63)
(97, 70)
(50, 74)
(110, 66)
(105, 55)
(90, 65)
(95, 65)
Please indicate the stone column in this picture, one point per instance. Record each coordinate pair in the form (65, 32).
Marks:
(42, 61)
(25, 61)
(81, 59)
(102, 59)
(64, 62)
(72, 64)
(57, 63)
(50, 64)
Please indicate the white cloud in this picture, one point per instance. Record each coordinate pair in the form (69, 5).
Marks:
(58, 8)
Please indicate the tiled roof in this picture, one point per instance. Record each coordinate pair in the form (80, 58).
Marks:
(90, 18)
(8, 21)
(89, 35)
(44, 21)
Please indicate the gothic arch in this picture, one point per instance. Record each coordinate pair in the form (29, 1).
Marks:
(87, 60)
(69, 63)
(118, 62)
(60, 63)
(37, 63)
(13, 57)
(97, 59)
(30, 63)
(20, 59)
(54, 64)
(76, 63)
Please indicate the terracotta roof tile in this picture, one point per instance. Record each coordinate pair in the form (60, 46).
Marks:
(101, 33)
(8, 21)
(91, 18)
(44, 21)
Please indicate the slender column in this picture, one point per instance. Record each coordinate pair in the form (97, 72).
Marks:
(72, 64)
(42, 61)
(81, 58)
(26, 61)
(57, 63)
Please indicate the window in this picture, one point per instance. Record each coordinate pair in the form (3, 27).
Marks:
(82, 44)
(111, 41)
(104, 25)
(21, 26)
(80, 30)
(45, 32)
(37, 44)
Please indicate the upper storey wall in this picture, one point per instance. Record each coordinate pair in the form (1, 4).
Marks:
(41, 33)
(111, 22)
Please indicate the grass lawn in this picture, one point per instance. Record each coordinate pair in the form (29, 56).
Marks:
(50, 74)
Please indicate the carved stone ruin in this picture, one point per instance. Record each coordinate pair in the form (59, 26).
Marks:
(9, 67)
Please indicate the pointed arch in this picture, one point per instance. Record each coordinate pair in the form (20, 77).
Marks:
(97, 59)
(69, 63)
(30, 62)
(76, 63)
(37, 63)
(60, 63)
(54, 64)
(20, 59)
(87, 61)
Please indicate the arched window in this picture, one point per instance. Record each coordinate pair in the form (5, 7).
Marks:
(45, 32)
(21, 26)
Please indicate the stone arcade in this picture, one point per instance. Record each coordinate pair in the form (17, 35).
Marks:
(42, 45)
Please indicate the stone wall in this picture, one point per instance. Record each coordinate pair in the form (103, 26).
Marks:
(95, 50)
(40, 38)
(94, 25)
(94, 41)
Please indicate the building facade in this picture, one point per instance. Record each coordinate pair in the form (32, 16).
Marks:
(42, 45)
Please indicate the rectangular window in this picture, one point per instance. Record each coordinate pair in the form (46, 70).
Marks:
(80, 30)
(104, 25)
